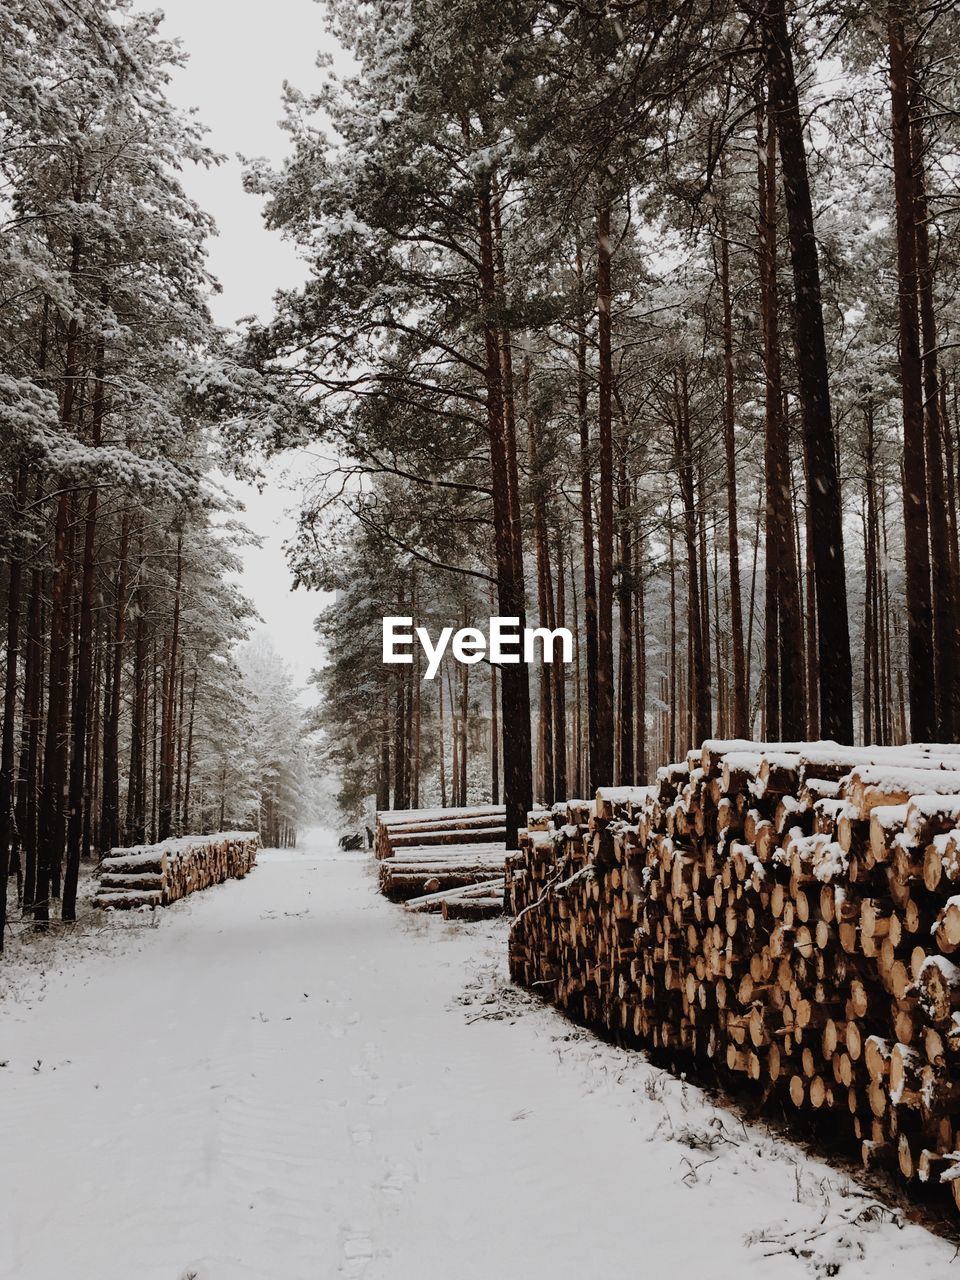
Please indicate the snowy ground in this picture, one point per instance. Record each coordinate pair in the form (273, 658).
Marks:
(290, 1079)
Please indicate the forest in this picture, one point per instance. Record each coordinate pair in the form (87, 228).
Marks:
(638, 318)
(134, 707)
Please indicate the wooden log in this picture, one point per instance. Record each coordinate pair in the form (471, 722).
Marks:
(472, 908)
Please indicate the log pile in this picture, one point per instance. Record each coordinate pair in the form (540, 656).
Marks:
(399, 829)
(481, 901)
(156, 875)
(780, 917)
(427, 869)
(431, 859)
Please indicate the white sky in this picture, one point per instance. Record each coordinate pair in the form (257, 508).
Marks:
(241, 51)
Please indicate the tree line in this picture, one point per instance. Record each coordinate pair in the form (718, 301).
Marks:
(641, 317)
(126, 714)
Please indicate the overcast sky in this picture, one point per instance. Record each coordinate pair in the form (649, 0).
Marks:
(241, 51)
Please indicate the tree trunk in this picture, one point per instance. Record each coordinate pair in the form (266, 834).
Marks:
(7, 748)
(514, 679)
(136, 816)
(494, 740)
(400, 798)
(110, 808)
(699, 704)
(835, 671)
(672, 753)
(168, 707)
(559, 674)
(738, 726)
(464, 713)
(923, 693)
(945, 608)
(601, 752)
(586, 517)
(52, 829)
(640, 663)
(81, 709)
(442, 744)
(627, 770)
(185, 814)
(545, 612)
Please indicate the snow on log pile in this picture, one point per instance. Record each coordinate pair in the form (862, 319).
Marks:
(155, 875)
(448, 861)
(398, 829)
(780, 917)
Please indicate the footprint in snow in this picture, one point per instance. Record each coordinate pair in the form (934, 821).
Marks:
(357, 1254)
(361, 1134)
(397, 1180)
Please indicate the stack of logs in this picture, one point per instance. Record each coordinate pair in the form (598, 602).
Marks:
(158, 874)
(778, 916)
(448, 861)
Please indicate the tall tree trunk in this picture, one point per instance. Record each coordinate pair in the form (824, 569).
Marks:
(923, 693)
(835, 670)
(559, 674)
(168, 708)
(640, 663)
(586, 517)
(672, 753)
(416, 733)
(577, 772)
(627, 771)
(181, 716)
(514, 679)
(136, 815)
(81, 710)
(704, 587)
(773, 433)
(946, 635)
(400, 797)
(185, 812)
(494, 739)
(29, 781)
(454, 745)
(7, 748)
(783, 674)
(464, 714)
(110, 807)
(52, 829)
(544, 610)
(601, 752)
(739, 726)
(700, 710)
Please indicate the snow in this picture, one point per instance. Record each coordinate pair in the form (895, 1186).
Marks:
(748, 761)
(830, 863)
(782, 759)
(286, 1078)
(936, 806)
(888, 816)
(896, 780)
(825, 788)
(402, 817)
(625, 795)
(950, 971)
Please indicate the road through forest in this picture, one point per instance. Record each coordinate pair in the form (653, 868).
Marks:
(290, 1079)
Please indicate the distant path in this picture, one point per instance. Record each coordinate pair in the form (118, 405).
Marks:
(281, 1083)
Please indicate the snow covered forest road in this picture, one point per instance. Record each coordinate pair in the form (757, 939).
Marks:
(291, 1079)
